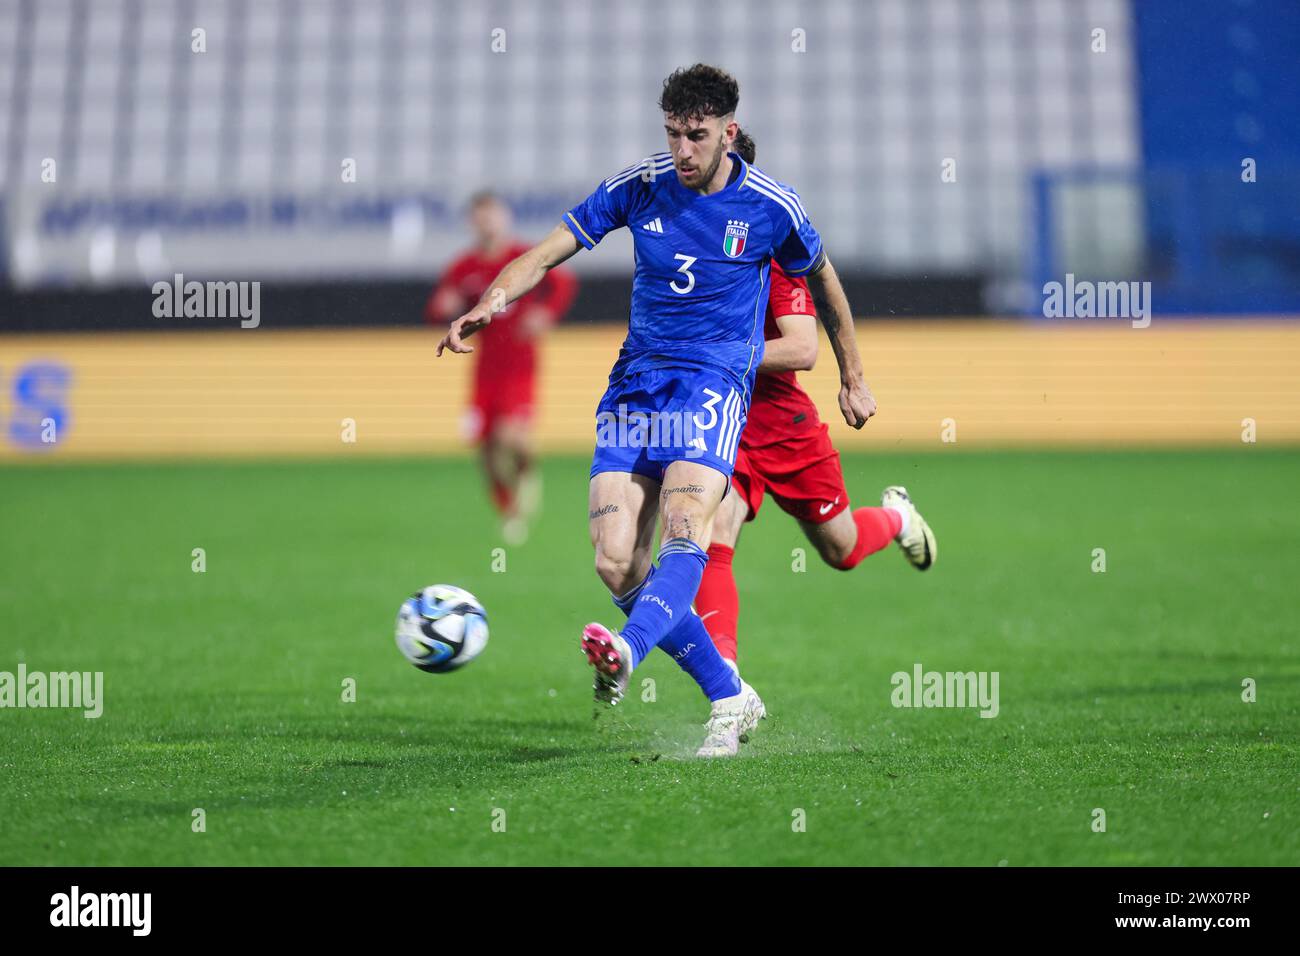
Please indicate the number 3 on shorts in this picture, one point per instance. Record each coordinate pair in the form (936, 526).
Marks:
(711, 407)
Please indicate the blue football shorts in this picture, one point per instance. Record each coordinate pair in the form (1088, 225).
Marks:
(646, 420)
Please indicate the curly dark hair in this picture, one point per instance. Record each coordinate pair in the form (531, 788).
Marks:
(744, 145)
(698, 91)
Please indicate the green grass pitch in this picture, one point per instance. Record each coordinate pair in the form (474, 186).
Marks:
(223, 690)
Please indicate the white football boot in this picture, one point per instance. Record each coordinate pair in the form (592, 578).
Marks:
(611, 657)
(916, 539)
(730, 723)
(514, 531)
(529, 494)
(735, 669)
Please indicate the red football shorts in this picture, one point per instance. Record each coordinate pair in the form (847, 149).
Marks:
(802, 474)
(497, 401)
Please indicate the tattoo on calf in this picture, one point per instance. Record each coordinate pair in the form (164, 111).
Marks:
(602, 511)
(681, 526)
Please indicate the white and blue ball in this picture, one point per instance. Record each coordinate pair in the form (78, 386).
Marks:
(441, 628)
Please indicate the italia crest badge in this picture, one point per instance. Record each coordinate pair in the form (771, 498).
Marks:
(733, 241)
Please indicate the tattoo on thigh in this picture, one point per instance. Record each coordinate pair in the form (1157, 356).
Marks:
(682, 490)
(602, 511)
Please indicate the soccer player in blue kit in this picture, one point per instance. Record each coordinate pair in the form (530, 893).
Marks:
(706, 226)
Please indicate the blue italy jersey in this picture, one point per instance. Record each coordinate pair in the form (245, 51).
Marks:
(700, 288)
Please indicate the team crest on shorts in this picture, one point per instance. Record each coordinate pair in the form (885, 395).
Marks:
(733, 241)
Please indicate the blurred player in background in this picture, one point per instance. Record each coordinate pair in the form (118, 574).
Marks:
(500, 413)
(786, 451)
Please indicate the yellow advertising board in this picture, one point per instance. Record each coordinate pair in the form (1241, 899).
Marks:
(985, 384)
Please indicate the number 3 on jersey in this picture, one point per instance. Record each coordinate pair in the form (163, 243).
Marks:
(684, 268)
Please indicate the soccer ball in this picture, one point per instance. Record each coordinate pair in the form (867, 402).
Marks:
(441, 628)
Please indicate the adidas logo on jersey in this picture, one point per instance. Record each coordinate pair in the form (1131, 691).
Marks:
(654, 225)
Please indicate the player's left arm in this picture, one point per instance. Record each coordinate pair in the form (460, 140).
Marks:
(798, 250)
(856, 401)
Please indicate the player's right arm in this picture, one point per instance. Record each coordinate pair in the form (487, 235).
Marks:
(518, 278)
(796, 349)
(584, 225)
(790, 302)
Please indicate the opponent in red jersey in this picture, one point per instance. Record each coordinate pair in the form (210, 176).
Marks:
(499, 416)
(786, 451)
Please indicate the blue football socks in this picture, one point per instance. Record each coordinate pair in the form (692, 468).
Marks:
(685, 639)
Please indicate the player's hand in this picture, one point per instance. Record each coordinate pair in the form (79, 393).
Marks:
(469, 323)
(856, 402)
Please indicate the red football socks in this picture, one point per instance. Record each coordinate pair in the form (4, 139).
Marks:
(876, 528)
(718, 602)
(502, 497)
